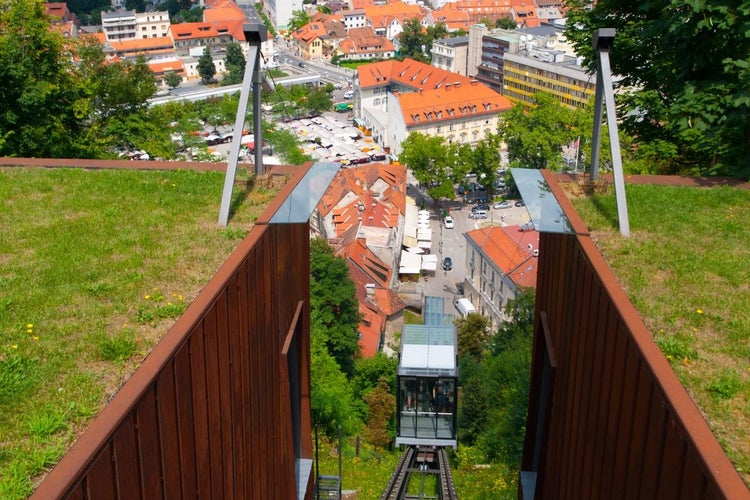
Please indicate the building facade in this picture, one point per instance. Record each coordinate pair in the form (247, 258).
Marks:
(500, 262)
(451, 54)
(280, 11)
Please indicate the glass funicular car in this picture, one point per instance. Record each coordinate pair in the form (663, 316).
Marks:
(427, 378)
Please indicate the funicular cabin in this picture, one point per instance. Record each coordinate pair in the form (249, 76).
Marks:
(427, 380)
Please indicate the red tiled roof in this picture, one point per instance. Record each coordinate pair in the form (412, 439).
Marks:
(223, 10)
(439, 95)
(511, 250)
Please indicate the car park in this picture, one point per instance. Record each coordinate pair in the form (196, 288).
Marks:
(448, 221)
(503, 204)
(447, 264)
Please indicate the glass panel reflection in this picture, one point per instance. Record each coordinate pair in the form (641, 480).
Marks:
(544, 210)
(299, 205)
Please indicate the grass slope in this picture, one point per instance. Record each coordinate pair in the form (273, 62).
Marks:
(95, 265)
(686, 268)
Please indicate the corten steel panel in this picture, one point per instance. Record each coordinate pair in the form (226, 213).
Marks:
(620, 423)
(205, 414)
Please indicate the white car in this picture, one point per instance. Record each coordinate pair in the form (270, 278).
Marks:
(349, 94)
(448, 221)
(503, 204)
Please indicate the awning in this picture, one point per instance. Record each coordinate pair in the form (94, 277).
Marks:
(429, 262)
(410, 263)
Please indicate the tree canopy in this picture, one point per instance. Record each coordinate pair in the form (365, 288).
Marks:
(235, 64)
(686, 74)
(535, 138)
(334, 304)
(206, 66)
(299, 19)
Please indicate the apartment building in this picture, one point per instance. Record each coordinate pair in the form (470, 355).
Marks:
(451, 54)
(500, 262)
(280, 11)
(127, 24)
(394, 98)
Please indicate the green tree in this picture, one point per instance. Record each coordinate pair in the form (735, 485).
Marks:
(333, 304)
(686, 74)
(485, 157)
(535, 138)
(44, 107)
(299, 19)
(331, 401)
(368, 371)
(473, 336)
(172, 79)
(381, 406)
(430, 160)
(286, 145)
(507, 23)
(413, 41)
(235, 64)
(206, 66)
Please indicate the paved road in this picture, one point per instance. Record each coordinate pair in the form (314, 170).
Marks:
(452, 243)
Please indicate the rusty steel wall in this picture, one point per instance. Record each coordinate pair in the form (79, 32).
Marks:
(209, 412)
(608, 417)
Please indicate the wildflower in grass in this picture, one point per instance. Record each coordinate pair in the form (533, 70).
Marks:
(147, 296)
(29, 330)
(695, 329)
(35, 337)
(14, 346)
(179, 297)
(699, 311)
(29, 325)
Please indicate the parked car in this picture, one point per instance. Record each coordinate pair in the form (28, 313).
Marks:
(503, 204)
(520, 203)
(348, 94)
(478, 214)
(447, 264)
(448, 221)
(481, 206)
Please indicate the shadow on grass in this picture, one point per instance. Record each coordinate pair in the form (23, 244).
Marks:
(240, 195)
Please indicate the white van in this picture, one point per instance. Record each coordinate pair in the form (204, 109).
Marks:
(478, 214)
(464, 306)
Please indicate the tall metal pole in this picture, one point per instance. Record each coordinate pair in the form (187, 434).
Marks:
(255, 34)
(602, 42)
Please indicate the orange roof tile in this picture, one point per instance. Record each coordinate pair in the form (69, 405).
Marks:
(166, 66)
(223, 10)
(365, 40)
(508, 248)
(439, 95)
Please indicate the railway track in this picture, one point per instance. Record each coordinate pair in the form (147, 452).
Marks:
(409, 480)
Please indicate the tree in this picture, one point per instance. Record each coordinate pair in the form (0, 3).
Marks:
(678, 91)
(535, 139)
(505, 23)
(368, 371)
(473, 336)
(331, 401)
(44, 106)
(299, 19)
(485, 157)
(430, 160)
(235, 64)
(172, 79)
(413, 41)
(333, 304)
(381, 405)
(206, 66)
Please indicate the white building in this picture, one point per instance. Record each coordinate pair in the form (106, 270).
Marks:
(280, 11)
(451, 54)
(127, 24)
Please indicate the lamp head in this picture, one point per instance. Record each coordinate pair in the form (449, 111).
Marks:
(603, 38)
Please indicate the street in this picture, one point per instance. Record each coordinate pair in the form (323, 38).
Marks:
(452, 242)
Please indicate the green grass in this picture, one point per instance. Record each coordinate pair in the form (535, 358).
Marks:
(369, 472)
(686, 268)
(95, 266)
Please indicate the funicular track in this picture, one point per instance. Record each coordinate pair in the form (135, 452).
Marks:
(413, 465)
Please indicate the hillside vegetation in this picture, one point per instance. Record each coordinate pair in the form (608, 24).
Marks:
(686, 268)
(95, 266)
